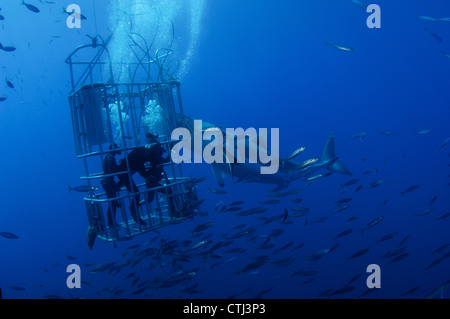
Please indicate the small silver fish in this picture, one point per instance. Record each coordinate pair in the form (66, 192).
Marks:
(217, 191)
(437, 37)
(30, 7)
(285, 215)
(410, 189)
(83, 189)
(296, 152)
(339, 47)
(359, 4)
(9, 235)
(425, 212)
(9, 84)
(443, 144)
(377, 183)
(199, 244)
(350, 182)
(427, 18)
(270, 202)
(433, 200)
(341, 209)
(232, 209)
(372, 223)
(445, 54)
(360, 135)
(343, 201)
(423, 132)
(306, 164)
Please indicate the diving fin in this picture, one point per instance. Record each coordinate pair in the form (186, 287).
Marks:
(91, 235)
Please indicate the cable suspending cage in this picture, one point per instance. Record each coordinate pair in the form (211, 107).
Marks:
(107, 113)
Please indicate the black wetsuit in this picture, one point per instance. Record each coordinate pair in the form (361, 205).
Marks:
(110, 186)
(153, 175)
(127, 181)
(136, 161)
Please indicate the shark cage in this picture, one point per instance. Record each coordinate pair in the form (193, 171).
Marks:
(121, 122)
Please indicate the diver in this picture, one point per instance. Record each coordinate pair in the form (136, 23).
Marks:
(126, 180)
(110, 186)
(155, 173)
(152, 153)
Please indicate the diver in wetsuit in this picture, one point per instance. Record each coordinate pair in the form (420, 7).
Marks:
(110, 186)
(127, 181)
(155, 173)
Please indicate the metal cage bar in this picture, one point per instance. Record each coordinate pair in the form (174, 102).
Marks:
(102, 114)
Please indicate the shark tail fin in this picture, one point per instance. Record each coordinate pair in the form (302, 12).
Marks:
(328, 155)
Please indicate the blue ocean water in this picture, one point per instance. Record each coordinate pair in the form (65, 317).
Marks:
(247, 64)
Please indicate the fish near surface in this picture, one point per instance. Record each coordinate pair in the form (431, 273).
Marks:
(339, 47)
(30, 7)
(359, 4)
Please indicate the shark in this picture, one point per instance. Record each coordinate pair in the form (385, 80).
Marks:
(288, 170)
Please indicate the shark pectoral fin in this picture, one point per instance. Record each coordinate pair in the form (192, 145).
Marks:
(229, 166)
(219, 174)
